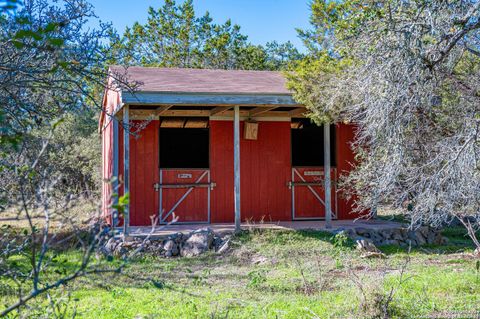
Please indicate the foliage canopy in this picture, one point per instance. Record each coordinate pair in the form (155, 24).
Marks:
(407, 74)
(174, 36)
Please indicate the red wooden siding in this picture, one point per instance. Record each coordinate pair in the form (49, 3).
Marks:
(221, 168)
(265, 171)
(112, 99)
(120, 166)
(107, 170)
(144, 174)
(345, 134)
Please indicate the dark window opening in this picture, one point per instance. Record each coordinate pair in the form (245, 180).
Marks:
(307, 144)
(184, 148)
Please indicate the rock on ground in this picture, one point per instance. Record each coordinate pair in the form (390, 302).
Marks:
(397, 236)
(179, 244)
(368, 249)
(170, 248)
(197, 243)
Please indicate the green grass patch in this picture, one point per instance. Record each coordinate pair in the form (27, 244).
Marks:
(277, 274)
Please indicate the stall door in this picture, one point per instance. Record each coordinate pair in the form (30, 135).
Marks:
(185, 194)
(308, 193)
(307, 176)
(184, 185)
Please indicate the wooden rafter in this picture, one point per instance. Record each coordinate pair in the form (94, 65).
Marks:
(260, 110)
(162, 109)
(297, 111)
(219, 110)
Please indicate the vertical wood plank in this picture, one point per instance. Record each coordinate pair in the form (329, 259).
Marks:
(115, 171)
(126, 168)
(265, 172)
(345, 164)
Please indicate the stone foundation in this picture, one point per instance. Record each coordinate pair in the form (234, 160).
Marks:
(187, 245)
(396, 236)
(203, 240)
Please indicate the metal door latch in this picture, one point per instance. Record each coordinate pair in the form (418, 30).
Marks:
(158, 186)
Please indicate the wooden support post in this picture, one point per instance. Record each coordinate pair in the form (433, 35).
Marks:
(327, 166)
(115, 152)
(126, 169)
(236, 166)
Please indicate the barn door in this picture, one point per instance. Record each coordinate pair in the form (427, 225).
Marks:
(307, 179)
(184, 184)
(185, 193)
(308, 193)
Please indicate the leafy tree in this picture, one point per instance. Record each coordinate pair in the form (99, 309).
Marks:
(281, 55)
(407, 73)
(75, 149)
(49, 68)
(51, 71)
(174, 37)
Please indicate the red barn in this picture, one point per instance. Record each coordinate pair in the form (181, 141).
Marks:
(213, 145)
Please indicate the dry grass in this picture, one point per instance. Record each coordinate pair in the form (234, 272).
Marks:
(76, 214)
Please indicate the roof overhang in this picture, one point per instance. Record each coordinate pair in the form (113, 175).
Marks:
(213, 99)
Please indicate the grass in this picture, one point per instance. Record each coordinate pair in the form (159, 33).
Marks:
(282, 274)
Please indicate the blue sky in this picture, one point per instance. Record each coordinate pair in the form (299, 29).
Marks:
(261, 20)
